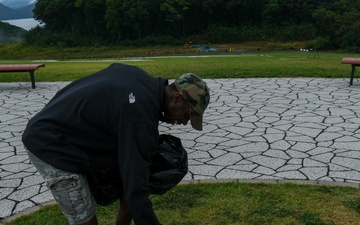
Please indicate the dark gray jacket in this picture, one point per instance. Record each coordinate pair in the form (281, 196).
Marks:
(109, 117)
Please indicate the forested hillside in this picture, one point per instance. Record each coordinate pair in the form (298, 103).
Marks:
(10, 33)
(328, 24)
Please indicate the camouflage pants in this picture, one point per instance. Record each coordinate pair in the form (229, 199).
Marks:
(71, 191)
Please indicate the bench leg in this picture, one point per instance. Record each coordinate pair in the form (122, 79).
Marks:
(32, 79)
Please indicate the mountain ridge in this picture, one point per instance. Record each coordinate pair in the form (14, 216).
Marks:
(7, 13)
(16, 4)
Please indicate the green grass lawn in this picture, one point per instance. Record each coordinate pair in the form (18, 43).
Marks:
(247, 65)
(235, 203)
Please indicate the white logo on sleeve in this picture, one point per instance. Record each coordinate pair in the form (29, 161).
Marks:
(131, 98)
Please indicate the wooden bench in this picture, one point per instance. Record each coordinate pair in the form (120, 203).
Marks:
(354, 62)
(12, 68)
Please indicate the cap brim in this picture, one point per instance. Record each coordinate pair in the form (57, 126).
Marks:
(196, 122)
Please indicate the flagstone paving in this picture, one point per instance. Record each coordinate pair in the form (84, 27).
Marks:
(277, 129)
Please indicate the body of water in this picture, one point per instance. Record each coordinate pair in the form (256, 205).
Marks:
(26, 24)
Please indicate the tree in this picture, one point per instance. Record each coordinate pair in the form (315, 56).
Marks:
(129, 15)
(58, 15)
(113, 18)
(92, 16)
(175, 11)
(136, 14)
(335, 22)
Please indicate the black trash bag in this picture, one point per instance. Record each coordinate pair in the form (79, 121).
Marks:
(105, 185)
(169, 165)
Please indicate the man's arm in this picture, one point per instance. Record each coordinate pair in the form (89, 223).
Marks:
(136, 143)
(124, 215)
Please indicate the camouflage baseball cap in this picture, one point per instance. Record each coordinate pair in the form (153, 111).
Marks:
(196, 94)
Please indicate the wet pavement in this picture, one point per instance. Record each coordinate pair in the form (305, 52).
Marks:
(267, 129)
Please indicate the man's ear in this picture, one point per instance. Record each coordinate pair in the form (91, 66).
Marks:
(178, 97)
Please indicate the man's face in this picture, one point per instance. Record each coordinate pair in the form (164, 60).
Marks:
(177, 111)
